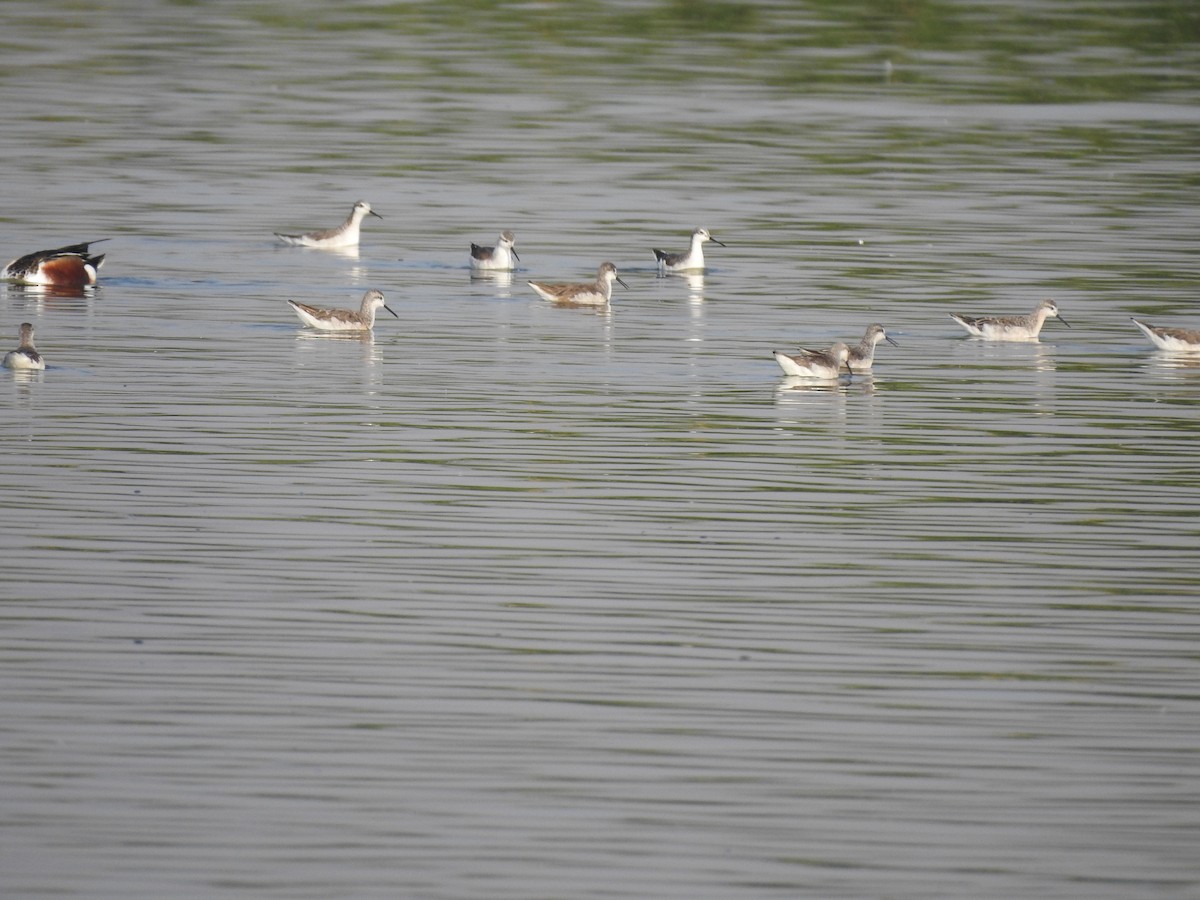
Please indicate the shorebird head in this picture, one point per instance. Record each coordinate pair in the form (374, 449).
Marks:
(1051, 309)
(375, 300)
(703, 235)
(608, 272)
(363, 208)
(876, 333)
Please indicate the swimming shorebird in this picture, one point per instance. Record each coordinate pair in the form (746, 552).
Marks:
(826, 364)
(596, 294)
(343, 319)
(683, 262)
(1010, 328)
(498, 258)
(862, 357)
(26, 355)
(345, 235)
(1174, 340)
(70, 266)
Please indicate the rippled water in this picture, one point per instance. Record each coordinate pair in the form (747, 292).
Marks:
(517, 601)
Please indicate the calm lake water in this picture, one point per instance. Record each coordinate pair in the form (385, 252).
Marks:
(513, 601)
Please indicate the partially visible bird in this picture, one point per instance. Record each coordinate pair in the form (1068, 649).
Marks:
(69, 266)
(862, 357)
(1173, 340)
(824, 364)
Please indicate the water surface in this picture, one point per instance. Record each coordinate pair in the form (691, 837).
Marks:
(516, 601)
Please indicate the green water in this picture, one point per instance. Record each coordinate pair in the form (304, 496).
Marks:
(516, 601)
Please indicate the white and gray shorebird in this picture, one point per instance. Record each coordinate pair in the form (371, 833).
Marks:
(862, 357)
(26, 355)
(1173, 340)
(496, 259)
(344, 235)
(343, 319)
(1010, 328)
(70, 266)
(823, 364)
(596, 294)
(689, 261)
